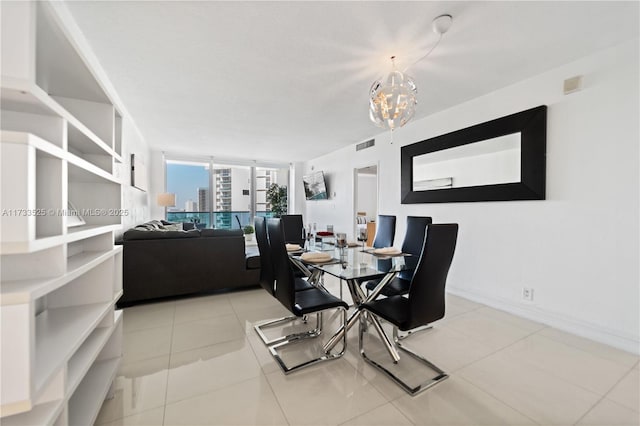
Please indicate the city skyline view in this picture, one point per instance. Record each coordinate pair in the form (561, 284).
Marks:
(184, 180)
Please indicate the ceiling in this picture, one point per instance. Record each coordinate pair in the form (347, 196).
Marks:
(289, 81)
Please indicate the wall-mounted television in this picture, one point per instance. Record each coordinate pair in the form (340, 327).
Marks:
(314, 186)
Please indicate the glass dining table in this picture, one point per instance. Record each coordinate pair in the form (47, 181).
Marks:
(355, 266)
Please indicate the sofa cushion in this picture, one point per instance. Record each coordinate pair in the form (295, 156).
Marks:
(155, 224)
(253, 261)
(173, 227)
(138, 234)
(221, 232)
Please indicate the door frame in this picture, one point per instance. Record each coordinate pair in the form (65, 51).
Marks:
(354, 212)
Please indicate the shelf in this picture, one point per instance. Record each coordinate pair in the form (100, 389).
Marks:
(41, 414)
(88, 397)
(25, 138)
(28, 97)
(15, 96)
(84, 171)
(59, 333)
(21, 247)
(85, 231)
(84, 357)
(24, 291)
(61, 141)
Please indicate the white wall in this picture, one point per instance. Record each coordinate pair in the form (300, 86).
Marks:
(578, 249)
(367, 197)
(156, 171)
(134, 201)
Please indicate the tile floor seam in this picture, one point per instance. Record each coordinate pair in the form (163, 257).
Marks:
(616, 384)
(206, 393)
(208, 346)
(262, 372)
(375, 389)
(576, 384)
(375, 408)
(600, 397)
(166, 388)
(494, 352)
(497, 399)
(275, 395)
(586, 351)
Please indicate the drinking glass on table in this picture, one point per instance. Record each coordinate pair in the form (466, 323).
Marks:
(341, 243)
(362, 236)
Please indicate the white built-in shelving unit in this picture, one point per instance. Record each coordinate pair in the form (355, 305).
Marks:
(60, 145)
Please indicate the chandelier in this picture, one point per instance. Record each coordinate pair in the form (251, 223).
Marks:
(392, 100)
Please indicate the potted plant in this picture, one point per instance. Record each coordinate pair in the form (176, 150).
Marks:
(248, 232)
(277, 197)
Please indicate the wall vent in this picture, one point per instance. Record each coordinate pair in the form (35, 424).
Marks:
(365, 145)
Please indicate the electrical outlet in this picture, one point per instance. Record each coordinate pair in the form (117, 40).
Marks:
(527, 294)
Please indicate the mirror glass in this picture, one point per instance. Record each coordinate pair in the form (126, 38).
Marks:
(488, 162)
(499, 160)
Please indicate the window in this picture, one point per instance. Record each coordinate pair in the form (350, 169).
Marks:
(219, 195)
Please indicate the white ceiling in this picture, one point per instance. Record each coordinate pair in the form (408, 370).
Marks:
(289, 81)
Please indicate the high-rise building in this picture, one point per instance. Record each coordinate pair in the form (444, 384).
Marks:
(190, 206)
(264, 179)
(203, 200)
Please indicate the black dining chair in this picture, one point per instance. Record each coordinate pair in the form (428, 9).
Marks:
(267, 281)
(293, 229)
(299, 303)
(385, 231)
(425, 302)
(412, 244)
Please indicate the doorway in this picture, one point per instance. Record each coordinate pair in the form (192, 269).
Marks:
(365, 201)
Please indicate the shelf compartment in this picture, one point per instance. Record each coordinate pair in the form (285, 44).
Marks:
(82, 146)
(49, 128)
(86, 171)
(84, 357)
(15, 292)
(59, 333)
(41, 414)
(117, 275)
(32, 205)
(117, 133)
(27, 97)
(98, 200)
(88, 397)
(97, 243)
(20, 270)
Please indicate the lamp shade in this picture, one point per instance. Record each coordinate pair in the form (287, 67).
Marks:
(392, 100)
(167, 199)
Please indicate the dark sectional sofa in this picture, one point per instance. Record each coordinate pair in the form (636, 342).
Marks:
(161, 260)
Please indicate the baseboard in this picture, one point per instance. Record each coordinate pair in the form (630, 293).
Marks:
(553, 319)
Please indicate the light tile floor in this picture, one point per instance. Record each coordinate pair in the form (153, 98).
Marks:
(198, 361)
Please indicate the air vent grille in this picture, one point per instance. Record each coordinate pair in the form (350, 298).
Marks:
(365, 145)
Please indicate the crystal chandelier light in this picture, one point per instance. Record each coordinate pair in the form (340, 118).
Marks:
(392, 100)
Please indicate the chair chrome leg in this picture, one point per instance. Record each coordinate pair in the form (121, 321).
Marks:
(409, 389)
(324, 357)
(414, 331)
(383, 336)
(317, 331)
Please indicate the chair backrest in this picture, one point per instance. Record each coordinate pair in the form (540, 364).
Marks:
(426, 294)
(284, 281)
(414, 239)
(266, 264)
(293, 228)
(385, 231)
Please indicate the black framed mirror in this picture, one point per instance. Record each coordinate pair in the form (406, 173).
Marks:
(500, 160)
